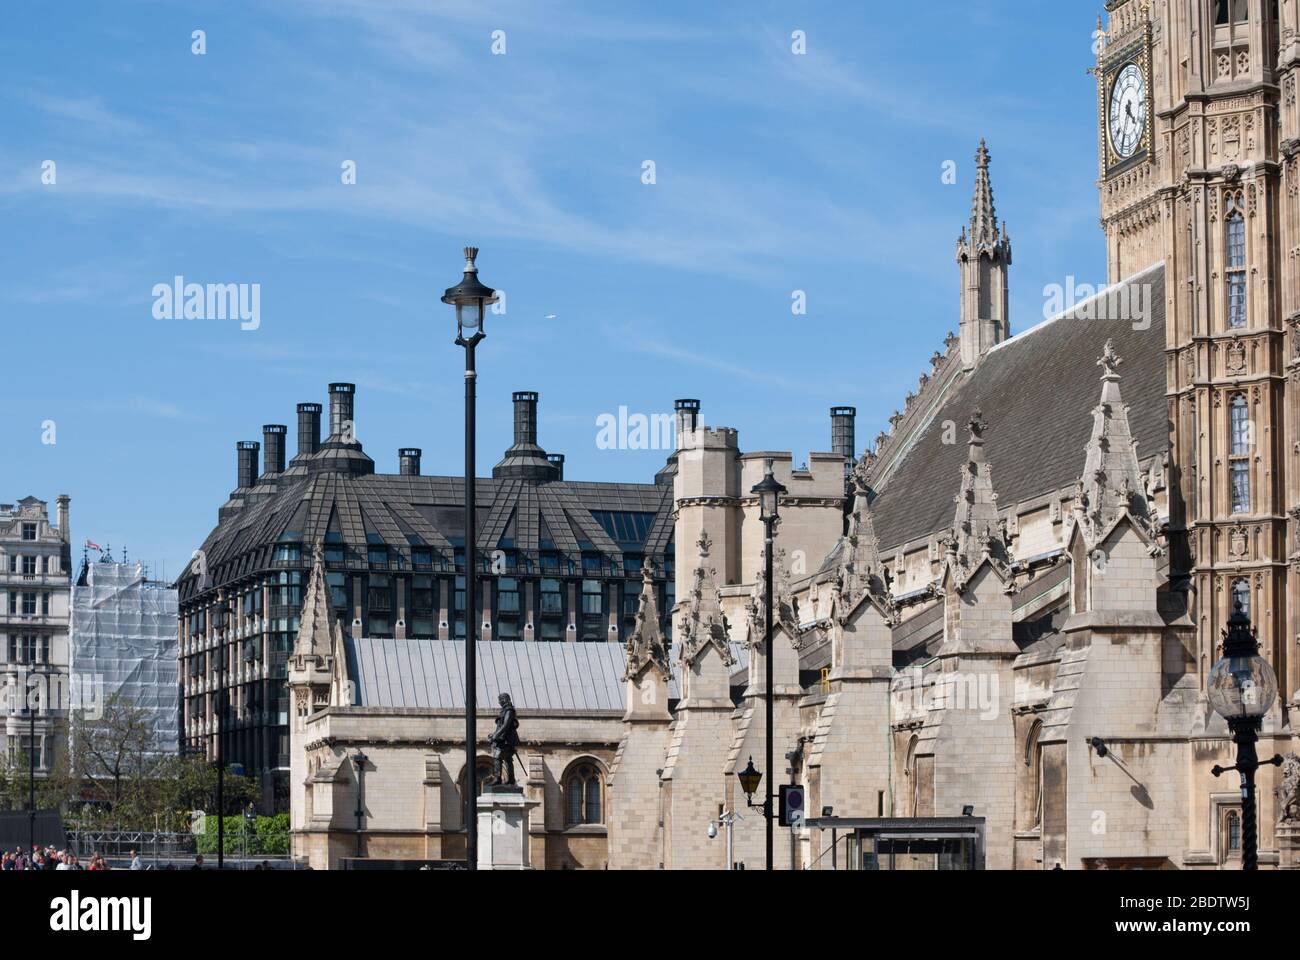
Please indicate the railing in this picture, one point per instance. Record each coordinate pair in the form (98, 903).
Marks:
(160, 848)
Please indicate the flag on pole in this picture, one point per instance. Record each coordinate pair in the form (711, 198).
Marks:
(91, 545)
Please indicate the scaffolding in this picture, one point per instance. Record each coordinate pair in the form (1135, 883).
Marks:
(123, 642)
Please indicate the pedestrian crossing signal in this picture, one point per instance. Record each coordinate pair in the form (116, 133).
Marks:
(791, 806)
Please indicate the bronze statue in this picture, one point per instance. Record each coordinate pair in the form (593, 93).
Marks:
(505, 743)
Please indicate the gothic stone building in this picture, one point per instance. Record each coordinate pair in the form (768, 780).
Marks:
(1036, 559)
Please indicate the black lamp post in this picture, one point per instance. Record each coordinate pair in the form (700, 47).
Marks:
(1242, 687)
(359, 763)
(31, 760)
(471, 299)
(226, 611)
(768, 490)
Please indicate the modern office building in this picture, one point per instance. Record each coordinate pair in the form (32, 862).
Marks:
(34, 589)
(559, 562)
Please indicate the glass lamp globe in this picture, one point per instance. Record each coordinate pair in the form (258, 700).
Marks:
(1242, 687)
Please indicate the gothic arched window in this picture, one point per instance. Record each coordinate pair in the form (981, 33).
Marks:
(483, 767)
(1234, 832)
(1239, 458)
(1241, 595)
(1235, 269)
(1034, 761)
(583, 795)
(909, 770)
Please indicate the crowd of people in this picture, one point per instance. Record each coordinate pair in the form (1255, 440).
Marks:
(49, 858)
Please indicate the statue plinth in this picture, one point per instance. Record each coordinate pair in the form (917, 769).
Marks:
(503, 814)
(1288, 845)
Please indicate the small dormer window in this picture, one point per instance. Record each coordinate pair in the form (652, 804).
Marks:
(29, 531)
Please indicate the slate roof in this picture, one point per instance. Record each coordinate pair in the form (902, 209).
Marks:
(430, 674)
(1037, 391)
(511, 513)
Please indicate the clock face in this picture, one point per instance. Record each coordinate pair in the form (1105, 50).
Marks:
(1128, 111)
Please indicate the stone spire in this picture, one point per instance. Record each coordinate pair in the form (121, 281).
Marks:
(784, 614)
(984, 257)
(983, 216)
(860, 569)
(1112, 480)
(646, 646)
(977, 531)
(318, 627)
(704, 623)
(316, 666)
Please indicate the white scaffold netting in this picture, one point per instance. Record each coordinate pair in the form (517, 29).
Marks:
(123, 641)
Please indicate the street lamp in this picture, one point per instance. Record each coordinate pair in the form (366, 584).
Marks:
(31, 753)
(224, 607)
(749, 778)
(768, 490)
(1242, 687)
(470, 298)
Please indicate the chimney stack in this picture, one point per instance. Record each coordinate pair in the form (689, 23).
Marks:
(341, 400)
(308, 429)
(557, 461)
(408, 459)
(525, 460)
(842, 434)
(246, 451)
(65, 532)
(688, 418)
(525, 417)
(273, 448)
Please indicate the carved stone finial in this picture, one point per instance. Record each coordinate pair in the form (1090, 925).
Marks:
(1110, 360)
(977, 425)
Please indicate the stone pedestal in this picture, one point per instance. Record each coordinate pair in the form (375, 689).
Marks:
(1288, 845)
(503, 814)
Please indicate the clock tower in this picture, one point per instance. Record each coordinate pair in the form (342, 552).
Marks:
(1203, 178)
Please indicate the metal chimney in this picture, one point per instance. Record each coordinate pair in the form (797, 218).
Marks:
(408, 459)
(342, 424)
(308, 429)
(273, 448)
(688, 417)
(246, 453)
(842, 432)
(557, 461)
(525, 417)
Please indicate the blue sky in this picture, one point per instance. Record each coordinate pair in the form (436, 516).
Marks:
(774, 172)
